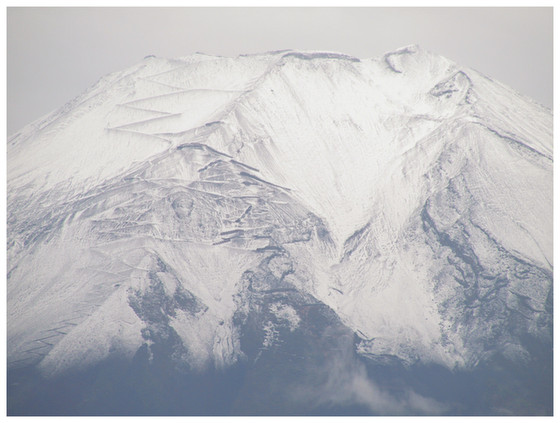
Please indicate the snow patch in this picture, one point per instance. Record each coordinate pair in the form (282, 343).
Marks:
(114, 329)
(287, 314)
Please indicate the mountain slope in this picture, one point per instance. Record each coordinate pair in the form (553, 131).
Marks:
(220, 211)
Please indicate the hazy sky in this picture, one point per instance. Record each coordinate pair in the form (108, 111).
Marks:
(54, 54)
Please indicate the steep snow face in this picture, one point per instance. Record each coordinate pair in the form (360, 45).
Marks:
(331, 129)
(410, 195)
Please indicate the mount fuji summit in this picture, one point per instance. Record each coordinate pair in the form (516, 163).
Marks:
(288, 233)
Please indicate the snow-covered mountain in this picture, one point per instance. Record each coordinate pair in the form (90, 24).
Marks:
(238, 211)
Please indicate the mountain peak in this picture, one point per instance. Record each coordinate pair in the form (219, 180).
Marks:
(221, 210)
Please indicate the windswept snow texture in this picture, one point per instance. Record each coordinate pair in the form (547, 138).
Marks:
(239, 214)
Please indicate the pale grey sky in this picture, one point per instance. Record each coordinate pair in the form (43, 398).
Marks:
(54, 54)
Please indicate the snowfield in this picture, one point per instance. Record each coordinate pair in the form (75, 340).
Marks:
(408, 194)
